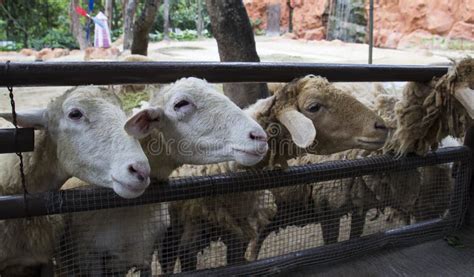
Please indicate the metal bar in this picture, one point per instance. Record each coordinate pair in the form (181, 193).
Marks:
(334, 253)
(371, 30)
(25, 140)
(109, 73)
(195, 187)
(469, 142)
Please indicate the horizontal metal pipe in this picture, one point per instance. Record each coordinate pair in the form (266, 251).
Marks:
(25, 140)
(195, 187)
(104, 73)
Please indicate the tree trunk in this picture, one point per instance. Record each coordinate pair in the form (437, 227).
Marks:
(129, 13)
(166, 19)
(143, 26)
(235, 41)
(199, 21)
(25, 40)
(76, 28)
(109, 7)
(124, 8)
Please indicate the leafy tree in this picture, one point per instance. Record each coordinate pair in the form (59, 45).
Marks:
(42, 23)
(183, 15)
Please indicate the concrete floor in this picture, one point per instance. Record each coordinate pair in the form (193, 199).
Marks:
(434, 258)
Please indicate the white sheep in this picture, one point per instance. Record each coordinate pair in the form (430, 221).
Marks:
(195, 125)
(291, 118)
(80, 133)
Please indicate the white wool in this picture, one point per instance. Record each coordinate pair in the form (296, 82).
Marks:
(450, 141)
(207, 115)
(143, 105)
(59, 154)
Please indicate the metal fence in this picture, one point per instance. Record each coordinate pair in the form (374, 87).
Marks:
(322, 223)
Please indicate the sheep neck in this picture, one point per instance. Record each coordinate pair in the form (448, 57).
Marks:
(160, 155)
(41, 167)
(281, 146)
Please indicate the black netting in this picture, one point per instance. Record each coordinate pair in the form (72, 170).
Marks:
(234, 223)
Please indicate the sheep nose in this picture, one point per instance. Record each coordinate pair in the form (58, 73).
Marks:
(258, 136)
(381, 126)
(140, 170)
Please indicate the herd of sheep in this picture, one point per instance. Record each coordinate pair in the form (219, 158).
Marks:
(191, 129)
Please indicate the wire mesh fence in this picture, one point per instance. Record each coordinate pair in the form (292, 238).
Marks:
(261, 222)
(243, 223)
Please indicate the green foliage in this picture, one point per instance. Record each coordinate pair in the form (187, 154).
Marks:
(183, 16)
(10, 47)
(187, 35)
(437, 42)
(46, 23)
(58, 37)
(116, 33)
(132, 100)
(38, 24)
(454, 241)
(155, 37)
(255, 23)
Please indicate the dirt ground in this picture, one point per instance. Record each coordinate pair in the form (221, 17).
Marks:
(276, 49)
(287, 240)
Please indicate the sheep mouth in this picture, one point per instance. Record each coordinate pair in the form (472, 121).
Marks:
(129, 187)
(253, 153)
(372, 142)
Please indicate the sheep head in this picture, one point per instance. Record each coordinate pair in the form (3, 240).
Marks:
(87, 139)
(309, 115)
(199, 125)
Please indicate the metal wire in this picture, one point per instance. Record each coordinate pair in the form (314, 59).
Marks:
(19, 154)
(320, 223)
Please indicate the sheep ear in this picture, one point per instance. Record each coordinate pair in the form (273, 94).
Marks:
(300, 127)
(267, 104)
(465, 96)
(142, 123)
(34, 118)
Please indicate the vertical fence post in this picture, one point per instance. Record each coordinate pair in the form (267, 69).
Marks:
(469, 142)
(371, 30)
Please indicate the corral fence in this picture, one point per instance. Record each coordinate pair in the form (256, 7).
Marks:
(296, 237)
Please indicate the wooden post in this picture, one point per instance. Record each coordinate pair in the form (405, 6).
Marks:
(199, 21)
(290, 17)
(109, 8)
(371, 30)
(273, 20)
(129, 14)
(166, 19)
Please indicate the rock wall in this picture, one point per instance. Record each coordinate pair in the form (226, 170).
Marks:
(403, 23)
(397, 23)
(308, 16)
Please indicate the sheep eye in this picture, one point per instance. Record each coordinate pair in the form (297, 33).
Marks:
(75, 114)
(180, 104)
(314, 108)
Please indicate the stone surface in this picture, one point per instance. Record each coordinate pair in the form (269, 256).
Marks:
(462, 30)
(44, 54)
(396, 22)
(93, 53)
(315, 34)
(418, 38)
(27, 52)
